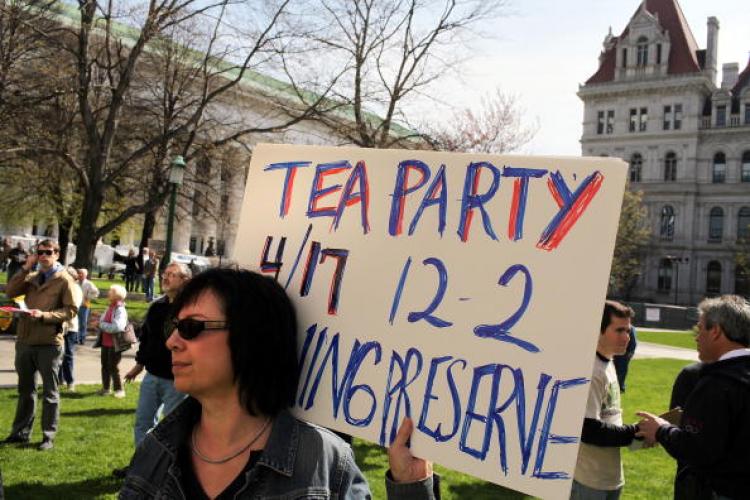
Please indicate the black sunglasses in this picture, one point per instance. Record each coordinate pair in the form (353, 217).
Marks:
(190, 328)
(45, 252)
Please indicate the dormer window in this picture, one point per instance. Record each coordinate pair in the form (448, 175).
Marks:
(642, 53)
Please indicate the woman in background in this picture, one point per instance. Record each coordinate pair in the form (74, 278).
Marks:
(114, 320)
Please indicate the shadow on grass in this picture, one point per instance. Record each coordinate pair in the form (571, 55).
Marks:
(88, 488)
(99, 412)
(369, 456)
(482, 491)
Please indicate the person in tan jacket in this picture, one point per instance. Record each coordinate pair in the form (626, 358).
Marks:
(52, 302)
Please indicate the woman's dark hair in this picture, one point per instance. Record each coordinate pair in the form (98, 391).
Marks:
(262, 334)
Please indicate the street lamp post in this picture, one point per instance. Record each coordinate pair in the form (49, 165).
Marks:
(176, 172)
(676, 261)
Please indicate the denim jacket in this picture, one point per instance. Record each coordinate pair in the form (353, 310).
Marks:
(300, 460)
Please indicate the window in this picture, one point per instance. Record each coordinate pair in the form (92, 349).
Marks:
(670, 167)
(658, 53)
(600, 123)
(715, 224)
(638, 119)
(741, 282)
(743, 223)
(719, 171)
(624, 58)
(672, 117)
(642, 54)
(666, 228)
(667, 117)
(224, 203)
(713, 278)
(745, 169)
(193, 244)
(196, 204)
(664, 276)
(747, 113)
(610, 121)
(721, 116)
(636, 164)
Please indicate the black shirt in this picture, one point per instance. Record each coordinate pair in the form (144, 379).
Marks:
(192, 487)
(152, 349)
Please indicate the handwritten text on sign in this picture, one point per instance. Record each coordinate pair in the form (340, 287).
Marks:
(464, 291)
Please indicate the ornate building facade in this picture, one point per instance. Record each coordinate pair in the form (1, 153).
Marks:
(655, 102)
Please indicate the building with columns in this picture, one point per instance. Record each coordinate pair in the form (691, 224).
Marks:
(655, 102)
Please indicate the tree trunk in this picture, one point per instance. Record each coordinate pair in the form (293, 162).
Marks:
(63, 230)
(149, 223)
(87, 232)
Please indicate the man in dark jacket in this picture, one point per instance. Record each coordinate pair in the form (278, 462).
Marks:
(713, 437)
(157, 389)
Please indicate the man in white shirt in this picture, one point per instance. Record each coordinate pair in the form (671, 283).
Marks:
(598, 474)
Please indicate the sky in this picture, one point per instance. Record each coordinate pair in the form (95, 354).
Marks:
(547, 48)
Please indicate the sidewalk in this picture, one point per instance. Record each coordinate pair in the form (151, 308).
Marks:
(86, 367)
(645, 350)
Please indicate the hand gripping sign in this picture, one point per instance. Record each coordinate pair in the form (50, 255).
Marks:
(462, 290)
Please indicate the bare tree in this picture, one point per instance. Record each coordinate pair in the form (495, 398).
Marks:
(152, 81)
(385, 54)
(495, 126)
(24, 28)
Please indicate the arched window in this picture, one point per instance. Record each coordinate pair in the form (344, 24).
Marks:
(670, 167)
(715, 224)
(664, 276)
(642, 54)
(741, 282)
(713, 278)
(636, 164)
(745, 169)
(719, 171)
(743, 223)
(666, 228)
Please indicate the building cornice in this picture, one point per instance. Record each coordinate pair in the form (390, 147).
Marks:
(681, 83)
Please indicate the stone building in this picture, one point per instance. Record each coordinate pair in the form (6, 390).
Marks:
(654, 102)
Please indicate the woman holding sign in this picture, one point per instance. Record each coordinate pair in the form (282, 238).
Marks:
(234, 351)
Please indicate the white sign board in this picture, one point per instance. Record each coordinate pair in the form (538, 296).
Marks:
(462, 290)
(653, 314)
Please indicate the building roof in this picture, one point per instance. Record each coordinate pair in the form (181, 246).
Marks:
(683, 56)
(743, 80)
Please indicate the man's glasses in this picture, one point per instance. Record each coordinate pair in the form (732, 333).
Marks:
(45, 252)
(190, 328)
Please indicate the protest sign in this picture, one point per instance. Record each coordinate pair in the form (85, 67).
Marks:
(462, 290)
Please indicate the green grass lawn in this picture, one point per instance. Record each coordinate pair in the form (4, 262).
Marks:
(682, 338)
(96, 436)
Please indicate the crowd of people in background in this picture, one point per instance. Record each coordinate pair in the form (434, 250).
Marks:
(709, 439)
